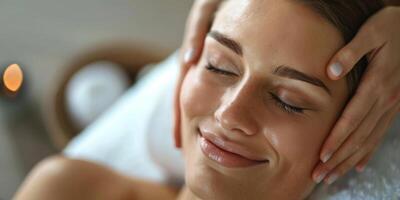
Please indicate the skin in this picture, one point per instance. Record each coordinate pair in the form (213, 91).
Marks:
(239, 106)
(62, 178)
(363, 124)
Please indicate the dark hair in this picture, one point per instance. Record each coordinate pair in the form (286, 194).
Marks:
(347, 16)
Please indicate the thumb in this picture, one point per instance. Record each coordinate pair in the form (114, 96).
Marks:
(345, 59)
(197, 27)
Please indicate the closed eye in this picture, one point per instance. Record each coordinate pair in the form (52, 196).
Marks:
(285, 106)
(214, 69)
(280, 103)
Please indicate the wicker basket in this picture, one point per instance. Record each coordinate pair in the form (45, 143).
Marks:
(130, 57)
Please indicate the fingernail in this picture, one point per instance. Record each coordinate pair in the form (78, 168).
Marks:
(336, 69)
(326, 157)
(332, 179)
(320, 177)
(188, 55)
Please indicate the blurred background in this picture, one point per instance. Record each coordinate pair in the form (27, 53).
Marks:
(64, 62)
(50, 41)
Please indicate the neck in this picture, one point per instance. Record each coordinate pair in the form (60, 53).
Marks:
(187, 194)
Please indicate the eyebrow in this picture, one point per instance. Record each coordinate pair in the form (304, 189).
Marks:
(283, 71)
(288, 72)
(227, 42)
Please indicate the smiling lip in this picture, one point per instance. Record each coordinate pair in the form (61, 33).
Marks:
(224, 152)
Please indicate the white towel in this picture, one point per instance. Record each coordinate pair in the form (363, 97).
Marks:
(137, 130)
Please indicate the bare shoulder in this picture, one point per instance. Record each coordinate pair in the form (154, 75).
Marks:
(61, 178)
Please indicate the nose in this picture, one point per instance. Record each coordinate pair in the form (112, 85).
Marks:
(238, 111)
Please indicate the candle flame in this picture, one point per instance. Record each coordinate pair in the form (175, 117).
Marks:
(13, 77)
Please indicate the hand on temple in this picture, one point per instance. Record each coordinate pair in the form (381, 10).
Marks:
(366, 118)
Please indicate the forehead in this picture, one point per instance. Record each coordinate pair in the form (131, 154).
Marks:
(275, 32)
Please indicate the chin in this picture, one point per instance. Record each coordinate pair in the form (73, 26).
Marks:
(208, 180)
(206, 183)
(203, 177)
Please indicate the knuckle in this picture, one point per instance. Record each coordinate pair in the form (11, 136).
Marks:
(349, 121)
(344, 168)
(332, 163)
(361, 149)
(373, 31)
(353, 146)
(374, 81)
(365, 87)
(348, 56)
(328, 167)
(360, 137)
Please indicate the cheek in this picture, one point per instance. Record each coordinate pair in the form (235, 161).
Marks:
(299, 141)
(198, 99)
(298, 144)
(199, 96)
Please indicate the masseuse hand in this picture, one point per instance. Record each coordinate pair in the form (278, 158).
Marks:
(367, 116)
(197, 27)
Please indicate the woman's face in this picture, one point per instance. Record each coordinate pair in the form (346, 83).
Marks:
(258, 105)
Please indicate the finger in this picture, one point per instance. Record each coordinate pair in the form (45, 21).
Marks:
(197, 26)
(365, 41)
(361, 165)
(357, 137)
(369, 146)
(177, 111)
(344, 167)
(355, 112)
(323, 169)
(348, 149)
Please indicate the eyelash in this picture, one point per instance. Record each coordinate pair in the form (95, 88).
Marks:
(284, 106)
(214, 69)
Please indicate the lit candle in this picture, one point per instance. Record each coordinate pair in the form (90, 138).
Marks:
(12, 92)
(12, 80)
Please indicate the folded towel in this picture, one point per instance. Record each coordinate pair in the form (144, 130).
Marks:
(134, 136)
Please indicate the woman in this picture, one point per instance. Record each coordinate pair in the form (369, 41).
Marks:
(254, 111)
(366, 117)
(260, 91)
